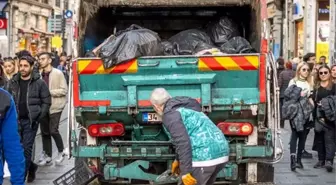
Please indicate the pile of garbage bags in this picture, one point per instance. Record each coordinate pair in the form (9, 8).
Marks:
(221, 37)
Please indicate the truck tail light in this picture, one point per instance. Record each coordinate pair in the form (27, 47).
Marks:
(106, 130)
(236, 128)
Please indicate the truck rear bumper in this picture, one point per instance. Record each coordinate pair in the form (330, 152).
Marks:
(239, 153)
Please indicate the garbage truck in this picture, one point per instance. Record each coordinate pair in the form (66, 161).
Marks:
(113, 128)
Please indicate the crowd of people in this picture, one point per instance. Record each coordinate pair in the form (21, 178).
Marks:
(307, 100)
(35, 90)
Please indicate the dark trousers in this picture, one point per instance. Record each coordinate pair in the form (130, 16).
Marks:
(282, 121)
(294, 141)
(28, 133)
(206, 175)
(324, 143)
(49, 128)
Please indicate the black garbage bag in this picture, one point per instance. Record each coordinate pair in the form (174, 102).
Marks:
(189, 42)
(222, 31)
(242, 45)
(129, 44)
(167, 48)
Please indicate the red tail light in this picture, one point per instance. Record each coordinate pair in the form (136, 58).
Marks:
(236, 129)
(105, 130)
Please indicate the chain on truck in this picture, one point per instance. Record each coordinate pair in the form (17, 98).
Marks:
(112, 126)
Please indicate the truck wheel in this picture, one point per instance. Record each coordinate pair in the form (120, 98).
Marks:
(80, 160)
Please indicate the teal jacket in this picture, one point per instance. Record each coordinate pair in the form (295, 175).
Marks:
(199, 142)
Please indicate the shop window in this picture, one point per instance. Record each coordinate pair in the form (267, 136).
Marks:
(58, 3)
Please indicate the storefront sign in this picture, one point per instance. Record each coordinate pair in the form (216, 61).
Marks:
(56, 42)
(297, 9)
(323, 10)
(3, 24)
(322, 39)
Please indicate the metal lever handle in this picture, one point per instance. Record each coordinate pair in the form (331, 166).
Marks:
(149, 65)
(178, 62)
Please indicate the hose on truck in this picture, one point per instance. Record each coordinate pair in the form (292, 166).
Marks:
(273, 110)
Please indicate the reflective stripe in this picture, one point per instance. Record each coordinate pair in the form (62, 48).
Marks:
(212, 162)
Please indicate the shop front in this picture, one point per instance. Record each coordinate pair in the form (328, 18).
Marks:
(33, 40)
(322, 29)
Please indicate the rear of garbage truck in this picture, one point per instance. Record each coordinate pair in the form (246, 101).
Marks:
(114, 129)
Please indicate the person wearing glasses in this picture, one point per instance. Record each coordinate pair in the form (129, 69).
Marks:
(302, 81)
(324, 141)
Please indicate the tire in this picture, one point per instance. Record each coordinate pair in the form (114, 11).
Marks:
(79, 160)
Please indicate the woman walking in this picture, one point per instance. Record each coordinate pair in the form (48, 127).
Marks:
(333, 73)
(283, 81)
(324, 141)
(9, 67)
(302, 81)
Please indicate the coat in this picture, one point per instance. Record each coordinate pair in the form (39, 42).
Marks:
(199, 142)
(38, 95)
(11, 150)
(328, 108)
(296, 108)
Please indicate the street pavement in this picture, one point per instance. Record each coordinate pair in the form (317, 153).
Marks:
(306, 176)
(46, 175)
(283, 176)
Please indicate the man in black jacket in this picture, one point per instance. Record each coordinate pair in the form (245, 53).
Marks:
(32, 98)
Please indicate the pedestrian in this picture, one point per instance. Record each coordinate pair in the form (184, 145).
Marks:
(10, 67)
(323, 59)
(11, 148)
(3, 78)
(56, 82)
(283, 81)
(324, 141)
(32, 99)
(201, 147)
(295, 62)
(333, 73)
(281, 66)
(302, 81)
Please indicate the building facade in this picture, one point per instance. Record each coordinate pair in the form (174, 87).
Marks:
(28, 26)
(310, 27)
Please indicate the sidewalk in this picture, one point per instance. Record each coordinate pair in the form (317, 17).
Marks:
(306, 176)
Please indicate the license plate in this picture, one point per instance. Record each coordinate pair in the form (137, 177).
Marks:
(151, 117)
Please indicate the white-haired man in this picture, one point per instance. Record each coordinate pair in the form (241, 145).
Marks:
(201, 147)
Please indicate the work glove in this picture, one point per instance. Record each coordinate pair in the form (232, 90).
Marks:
(175, 168)
(187, 179)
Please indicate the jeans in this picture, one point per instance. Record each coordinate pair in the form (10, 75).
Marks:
(49, 128)
(28, 132)
(325, 144)
(294, 141)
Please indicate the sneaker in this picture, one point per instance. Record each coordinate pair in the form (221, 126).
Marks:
(44, 160)
(306, 155)
(60, 158)
(319, 164)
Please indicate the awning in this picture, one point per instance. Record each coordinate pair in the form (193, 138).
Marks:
(42, 32)
(26, 31)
